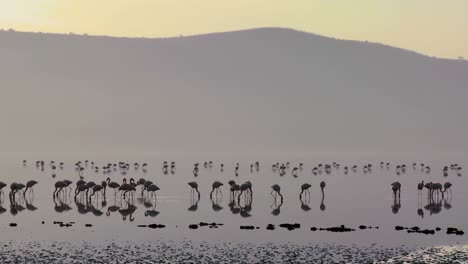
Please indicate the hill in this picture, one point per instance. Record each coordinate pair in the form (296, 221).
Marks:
(259, 90)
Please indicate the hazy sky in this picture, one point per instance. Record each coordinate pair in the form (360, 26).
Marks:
(433, 27)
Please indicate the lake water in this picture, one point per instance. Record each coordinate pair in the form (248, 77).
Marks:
(352, 199)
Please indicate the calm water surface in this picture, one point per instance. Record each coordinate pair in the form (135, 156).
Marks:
(352, 200)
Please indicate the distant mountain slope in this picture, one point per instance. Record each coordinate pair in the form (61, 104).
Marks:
(264, 89)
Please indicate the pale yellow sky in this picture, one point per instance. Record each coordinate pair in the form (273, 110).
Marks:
(434, 27)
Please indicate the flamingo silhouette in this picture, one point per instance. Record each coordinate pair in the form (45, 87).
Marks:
(276, 190)
(59, 185)
(396, 187)
(420, 186)
(245, 188)
(304, 188)
(152, 189)
(448, 186)
(2, 185)
(145, 186)
(215, 187)
(194, 189)
(29, 185)
(113, 185)
(80, 189)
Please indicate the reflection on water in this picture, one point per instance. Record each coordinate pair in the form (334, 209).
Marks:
(106, 193)
(216, 202)
(276, 206)
(396, 204)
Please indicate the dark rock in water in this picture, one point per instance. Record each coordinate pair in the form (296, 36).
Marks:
(362, 227)
(453, 230)
(290, 226)
(313, 228)
(88, 225)
(416, 229)
(142, 225)
(193, 226)
(62, 224)
(437, 229)
(270, 227)
(210, 225)
(257, 227)
(427, 231)
(156, 226)
(247, 227)
(43, 222)
(340, 229)
(13, 224)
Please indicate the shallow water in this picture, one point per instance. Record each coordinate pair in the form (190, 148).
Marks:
(351, 200)
(222, 252)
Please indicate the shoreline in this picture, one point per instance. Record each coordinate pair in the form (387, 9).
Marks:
(188, 251)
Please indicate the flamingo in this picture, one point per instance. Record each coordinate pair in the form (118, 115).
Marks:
(447, 185)
(2, 185)
(152, 189)
(141, 182)
(104, 186)
(29, 185)
(113, 185)
(234, 188)
(276, 190)
(82, 188)
(96, 188)
(294, 172)
(396, 187)
(437, 187)
(305, 188)
(14, 188)
(428, 186)
(322, 185)
(245, 188)
(194, 186)
(146, 185)
(216, 186)
(78, 183)
(59, 185)
(420, 186)
(90, 185)
(125, 187)
(67, 182)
